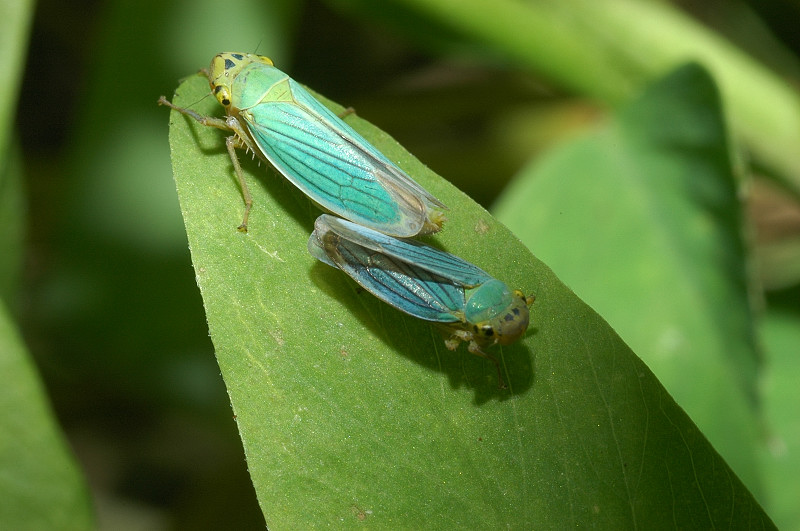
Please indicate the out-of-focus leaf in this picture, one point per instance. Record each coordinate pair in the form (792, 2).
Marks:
(781, 459)
(15, 19)
(40, 485)
(642, 219)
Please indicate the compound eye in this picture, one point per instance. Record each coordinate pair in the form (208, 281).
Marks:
(485, 331)
(222, 95)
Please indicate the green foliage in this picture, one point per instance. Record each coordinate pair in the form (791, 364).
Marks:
(41, 486)
(350, 411)
(779, 461)
(653, 198)
(607, 50)
(14, 28)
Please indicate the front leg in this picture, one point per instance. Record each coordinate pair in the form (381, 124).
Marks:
(209, 121)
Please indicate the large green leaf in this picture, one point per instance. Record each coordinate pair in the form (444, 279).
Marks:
(642, 219)
(353, 414)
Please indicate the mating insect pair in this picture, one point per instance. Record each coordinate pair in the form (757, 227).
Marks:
(273, 116)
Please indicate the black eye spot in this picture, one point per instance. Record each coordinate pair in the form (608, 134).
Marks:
(229, 64)
(488, 331)
(217, 89)
(226, 102)
(237, 56)
(516, 311)
(508, 317)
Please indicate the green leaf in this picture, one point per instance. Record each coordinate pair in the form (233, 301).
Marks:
(14, 24)
(353, 414)
(41, 486)
(641, 218)
(781, 456)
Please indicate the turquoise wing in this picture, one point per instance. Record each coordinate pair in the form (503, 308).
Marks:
(398, 282)
(420, 255)
(335, 166)
(386, 172)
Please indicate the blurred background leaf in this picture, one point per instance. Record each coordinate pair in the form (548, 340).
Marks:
(42, 487)
(652, 199)
(108, 305)
(14, 28)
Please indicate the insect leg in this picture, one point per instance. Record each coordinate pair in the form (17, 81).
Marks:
(231, 143)
(347, 112)
(204, 120)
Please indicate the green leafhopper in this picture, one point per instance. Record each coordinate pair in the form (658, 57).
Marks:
(273, 116)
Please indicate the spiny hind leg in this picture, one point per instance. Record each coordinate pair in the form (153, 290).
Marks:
(238, 139)
(232, 142)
